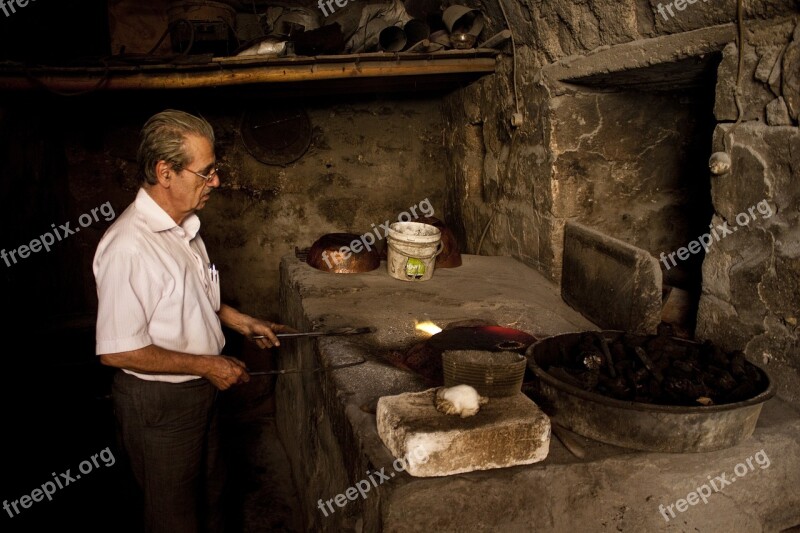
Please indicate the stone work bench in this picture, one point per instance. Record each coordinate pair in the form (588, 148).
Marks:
(326, 420)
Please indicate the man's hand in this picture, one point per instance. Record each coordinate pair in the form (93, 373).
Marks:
(268, 330)
(251, 327)
(223, 371)
(220, 370)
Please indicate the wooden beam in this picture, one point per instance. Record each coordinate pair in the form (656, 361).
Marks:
(245, 71)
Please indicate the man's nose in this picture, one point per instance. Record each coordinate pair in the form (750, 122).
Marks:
(215, 181)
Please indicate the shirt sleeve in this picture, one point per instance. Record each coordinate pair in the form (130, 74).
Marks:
(127, 297)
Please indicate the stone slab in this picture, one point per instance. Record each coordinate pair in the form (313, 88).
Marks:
(610, 282)
(639, 54)
(505, 432)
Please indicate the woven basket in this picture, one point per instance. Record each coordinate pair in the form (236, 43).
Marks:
(492, 374)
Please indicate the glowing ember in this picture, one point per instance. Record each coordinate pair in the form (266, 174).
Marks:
(428, 327)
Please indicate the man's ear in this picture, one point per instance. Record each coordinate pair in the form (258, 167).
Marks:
(164, 173)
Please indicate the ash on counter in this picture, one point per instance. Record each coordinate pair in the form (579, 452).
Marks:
(659, 369)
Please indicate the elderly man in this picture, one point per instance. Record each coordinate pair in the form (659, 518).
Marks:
(159, 320)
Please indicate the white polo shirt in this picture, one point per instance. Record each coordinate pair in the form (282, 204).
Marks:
(153, 286)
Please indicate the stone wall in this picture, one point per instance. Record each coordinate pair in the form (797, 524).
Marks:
(751, 279)
(628, 161)
(368, 162)
(517, 177)
(369, 159)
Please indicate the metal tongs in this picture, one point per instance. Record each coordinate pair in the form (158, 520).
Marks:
(331, 332)
(306, 370)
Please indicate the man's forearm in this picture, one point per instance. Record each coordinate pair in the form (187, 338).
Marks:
(249, 327)
(156, 360)
(232, 318)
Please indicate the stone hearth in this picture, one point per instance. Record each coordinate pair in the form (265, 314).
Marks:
(328, 425)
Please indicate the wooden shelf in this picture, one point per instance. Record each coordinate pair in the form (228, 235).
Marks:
(448, 67)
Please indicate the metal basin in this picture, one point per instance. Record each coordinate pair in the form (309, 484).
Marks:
(641, 426)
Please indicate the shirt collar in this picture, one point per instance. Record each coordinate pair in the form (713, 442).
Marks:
(158, 220)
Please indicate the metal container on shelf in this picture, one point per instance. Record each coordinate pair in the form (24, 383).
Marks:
(325, 254)
(201, 26)
(462, 19)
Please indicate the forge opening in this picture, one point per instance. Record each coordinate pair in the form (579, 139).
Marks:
(637, 160)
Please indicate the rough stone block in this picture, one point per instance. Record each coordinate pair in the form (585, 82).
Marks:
(610, 282)
(791, 76)
(767, 63)
(755, 95)
(778, 113)
(506, 432)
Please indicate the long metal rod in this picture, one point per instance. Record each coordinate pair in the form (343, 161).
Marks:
(304, 370)
(334, 333)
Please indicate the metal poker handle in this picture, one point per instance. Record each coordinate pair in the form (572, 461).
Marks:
(335, 332)
(284, 335)
(304, 370)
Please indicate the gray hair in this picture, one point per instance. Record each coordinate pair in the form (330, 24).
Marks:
(163, 138)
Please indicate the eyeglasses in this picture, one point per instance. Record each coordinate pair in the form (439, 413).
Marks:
(211, 175)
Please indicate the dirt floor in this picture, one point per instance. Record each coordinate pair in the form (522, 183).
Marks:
(263, 495)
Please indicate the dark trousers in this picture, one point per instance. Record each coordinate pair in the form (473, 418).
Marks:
(169, 433)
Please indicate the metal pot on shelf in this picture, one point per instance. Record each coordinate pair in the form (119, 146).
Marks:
(326, 255)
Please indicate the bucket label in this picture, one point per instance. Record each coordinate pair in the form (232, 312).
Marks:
(415, 268)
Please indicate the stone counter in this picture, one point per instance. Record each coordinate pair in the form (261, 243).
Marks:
(326, 420)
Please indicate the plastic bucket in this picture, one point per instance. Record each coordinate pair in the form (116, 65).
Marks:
(412, 250)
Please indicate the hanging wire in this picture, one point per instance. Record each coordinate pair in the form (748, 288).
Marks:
(737, 92)
(513, 55)
(495, 205)
(170, 27)
(500, 192)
